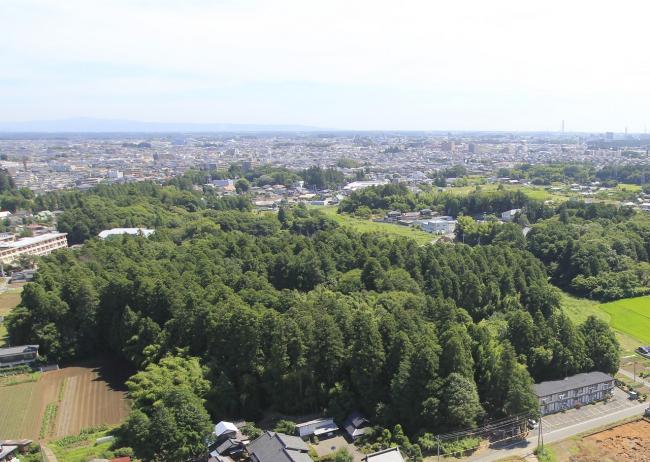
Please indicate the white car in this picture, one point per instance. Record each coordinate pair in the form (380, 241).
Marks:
(532, 424)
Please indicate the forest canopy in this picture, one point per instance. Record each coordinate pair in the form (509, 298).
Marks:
(290, 312)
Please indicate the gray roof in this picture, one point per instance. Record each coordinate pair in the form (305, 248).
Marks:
(278, 447)
(18, 350)
(570, 383)
(354, 421)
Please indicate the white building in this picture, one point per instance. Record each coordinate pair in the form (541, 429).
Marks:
(36, 246)
(356, 185)
(437, 225)
(386, 455)
(132, 231)
(320, 427)
(509, 215)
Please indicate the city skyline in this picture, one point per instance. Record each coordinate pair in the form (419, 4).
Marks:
(469, 66)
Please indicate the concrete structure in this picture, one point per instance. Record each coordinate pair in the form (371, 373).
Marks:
(558, 395)
(35, 246)
(18, 355)
(132, 231)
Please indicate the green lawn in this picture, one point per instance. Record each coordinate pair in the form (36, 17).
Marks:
(367, 226)
(632, 316)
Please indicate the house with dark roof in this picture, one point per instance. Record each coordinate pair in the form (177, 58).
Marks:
(356, 425)
(580, 389)
(278, 447)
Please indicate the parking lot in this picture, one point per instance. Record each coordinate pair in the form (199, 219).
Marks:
(591, 411)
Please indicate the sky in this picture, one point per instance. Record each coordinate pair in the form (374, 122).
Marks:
(347, 64)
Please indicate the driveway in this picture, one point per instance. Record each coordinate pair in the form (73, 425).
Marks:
(560, 420)
(331, 445)
(561, 426)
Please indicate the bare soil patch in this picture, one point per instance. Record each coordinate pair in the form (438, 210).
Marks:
(92, 394)
(629, 442)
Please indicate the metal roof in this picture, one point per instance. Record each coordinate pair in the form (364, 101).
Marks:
(17, 350)
(575, 381)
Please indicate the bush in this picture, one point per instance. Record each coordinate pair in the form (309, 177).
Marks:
(251, 431)
(544, 454)
(285, 426)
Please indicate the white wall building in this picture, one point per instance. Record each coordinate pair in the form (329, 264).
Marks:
(36, 246)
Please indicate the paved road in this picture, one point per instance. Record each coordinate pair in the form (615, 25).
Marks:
(631, 376)
(524, 448)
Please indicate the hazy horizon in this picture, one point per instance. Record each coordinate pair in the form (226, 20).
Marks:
(335, 65)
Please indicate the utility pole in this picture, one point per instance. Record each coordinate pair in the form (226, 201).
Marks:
(438, 440)
(540, 435)
(634, 373)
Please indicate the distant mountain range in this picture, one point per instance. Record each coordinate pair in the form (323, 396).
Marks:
(91, 125)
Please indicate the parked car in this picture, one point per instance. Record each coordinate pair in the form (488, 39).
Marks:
(647, 412)
(633, 395)
(532, 424)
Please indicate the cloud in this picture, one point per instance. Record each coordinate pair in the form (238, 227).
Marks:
(462, 54)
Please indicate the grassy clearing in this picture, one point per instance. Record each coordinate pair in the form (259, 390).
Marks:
(82, 447)
(8, 301)
(629, 187)
(19, 379)
(579, 309)
(367, 226)
(631, 316)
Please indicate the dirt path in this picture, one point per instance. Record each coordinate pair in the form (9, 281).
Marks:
(48, 455)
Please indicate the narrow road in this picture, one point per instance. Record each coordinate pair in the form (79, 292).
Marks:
(526, 447)
(631, 376)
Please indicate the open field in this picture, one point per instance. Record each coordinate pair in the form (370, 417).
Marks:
(367, 226)
(85, 397)
(81, 449)
(626, 442)
(632, 316)
(627, 332)
(8, 301)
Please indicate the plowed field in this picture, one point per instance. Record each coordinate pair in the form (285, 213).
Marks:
(85, 396)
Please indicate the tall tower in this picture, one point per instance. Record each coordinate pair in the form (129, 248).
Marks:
(562, 125)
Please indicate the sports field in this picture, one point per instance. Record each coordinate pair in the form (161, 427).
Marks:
(631, 316)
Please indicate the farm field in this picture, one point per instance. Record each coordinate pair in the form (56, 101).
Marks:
(579, 309)
(631, 316)
(85, 396)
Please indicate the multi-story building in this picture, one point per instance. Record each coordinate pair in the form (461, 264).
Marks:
(36, 246)
(580, 389)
